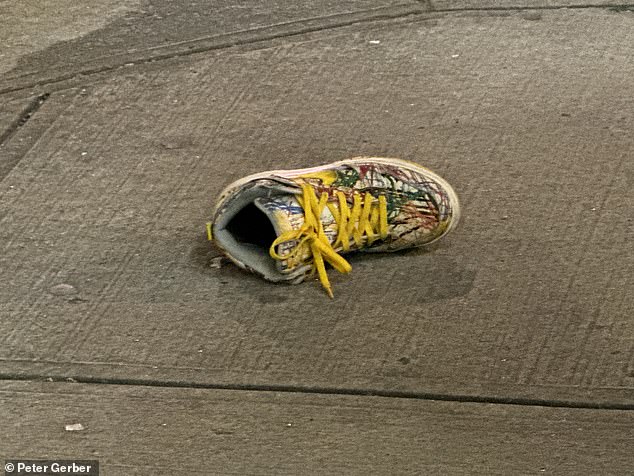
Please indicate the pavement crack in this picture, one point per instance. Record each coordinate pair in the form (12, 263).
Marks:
(24, 117)
(515, 8)
(307, 389)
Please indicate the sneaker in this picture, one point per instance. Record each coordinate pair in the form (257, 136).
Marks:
(286, 224)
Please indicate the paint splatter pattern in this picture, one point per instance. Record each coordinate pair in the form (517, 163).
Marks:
(418, 208)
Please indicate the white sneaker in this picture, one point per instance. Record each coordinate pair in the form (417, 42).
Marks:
(284, 224)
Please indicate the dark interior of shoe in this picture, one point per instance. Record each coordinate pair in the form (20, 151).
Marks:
(251, 225)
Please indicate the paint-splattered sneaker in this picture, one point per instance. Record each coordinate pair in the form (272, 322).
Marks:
(284, 224)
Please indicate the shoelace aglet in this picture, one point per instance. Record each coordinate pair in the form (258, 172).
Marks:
(209, 234)
(329, 291)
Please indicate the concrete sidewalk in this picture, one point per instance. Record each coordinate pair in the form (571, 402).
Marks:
(507, 348)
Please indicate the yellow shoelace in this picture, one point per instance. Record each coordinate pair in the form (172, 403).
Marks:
(368, 217)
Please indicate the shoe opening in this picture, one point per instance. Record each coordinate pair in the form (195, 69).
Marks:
(245, 228)
(251, 226)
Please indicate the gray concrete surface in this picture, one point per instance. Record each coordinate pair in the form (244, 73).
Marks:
(107, 182)
(479, 5)
(29, 27)
(79, 39)
(11, 116)
(139, 31)
(225, 432)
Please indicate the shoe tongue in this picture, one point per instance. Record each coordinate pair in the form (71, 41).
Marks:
(284, 212)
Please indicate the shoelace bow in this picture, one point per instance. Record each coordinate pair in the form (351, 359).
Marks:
(368, 216)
